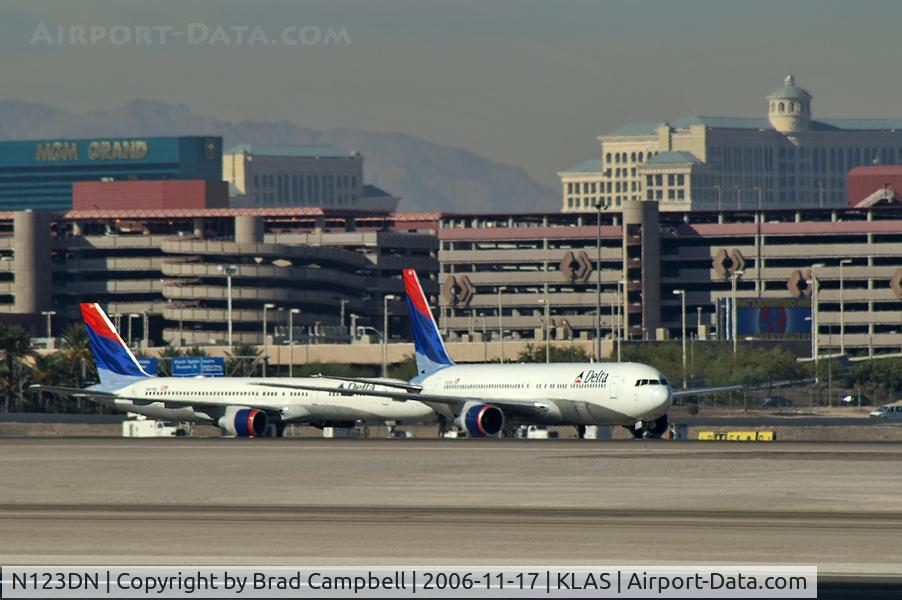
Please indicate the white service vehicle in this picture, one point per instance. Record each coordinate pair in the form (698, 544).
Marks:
(142, 427)
(887, 411)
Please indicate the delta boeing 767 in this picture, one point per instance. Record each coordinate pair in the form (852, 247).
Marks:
(239, 406)
(489, 399)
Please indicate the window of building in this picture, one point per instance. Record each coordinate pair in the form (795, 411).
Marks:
(659, 179)
(680, 179)
(649, 180)
(671, 179)
(681, 194)
(671, 194)
(782, 108)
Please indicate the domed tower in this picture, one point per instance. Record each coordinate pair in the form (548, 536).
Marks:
(789, 108)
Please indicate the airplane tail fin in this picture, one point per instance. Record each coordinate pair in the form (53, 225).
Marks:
(430, 350)
(116, 365)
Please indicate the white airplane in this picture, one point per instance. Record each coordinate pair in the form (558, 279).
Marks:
(488, 399)
(238, 406)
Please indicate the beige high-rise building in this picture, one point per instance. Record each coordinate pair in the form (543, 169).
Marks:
(787, 160)
(267, 176)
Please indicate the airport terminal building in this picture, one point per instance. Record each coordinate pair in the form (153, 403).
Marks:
(333, 267)
(788, 159)
(39, 174)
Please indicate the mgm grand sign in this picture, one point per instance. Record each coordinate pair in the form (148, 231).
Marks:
(97, 150)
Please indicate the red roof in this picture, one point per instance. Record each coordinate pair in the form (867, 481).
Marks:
(878, 170)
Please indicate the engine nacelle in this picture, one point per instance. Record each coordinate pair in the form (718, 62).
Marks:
(242, 421)
(480, 420)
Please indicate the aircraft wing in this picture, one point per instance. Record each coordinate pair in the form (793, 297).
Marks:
(167, 403)
(703, 391)
(525, 408)
(401, 385)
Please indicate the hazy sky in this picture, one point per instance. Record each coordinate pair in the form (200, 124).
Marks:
(523, 82)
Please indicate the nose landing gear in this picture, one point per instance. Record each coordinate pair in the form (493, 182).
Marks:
(649, 429)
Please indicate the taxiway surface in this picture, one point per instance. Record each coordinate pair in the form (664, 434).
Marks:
(534, 502)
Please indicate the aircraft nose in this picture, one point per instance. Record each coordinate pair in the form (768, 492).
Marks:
(661, 397)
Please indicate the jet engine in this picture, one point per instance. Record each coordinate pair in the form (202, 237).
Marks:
(480, 420)
(241, 421)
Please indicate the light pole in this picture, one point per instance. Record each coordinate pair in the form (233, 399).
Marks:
(815, 324)
(698, 322)
(229, 270)
(343, 304)
(385, 300)
(738, 196)
(682, 295)
(501, 323)
(266, 307)
(145, 328)
(598, 207)
(48, 314)
(842, 308)
(485, 342)
(130, 317)
(719, 198)
(547, 304)
(621, 316)
(291, 314)
(733, 329)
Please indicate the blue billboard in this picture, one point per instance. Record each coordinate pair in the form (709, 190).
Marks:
(151, 366)
(197, 366)
(777, 318)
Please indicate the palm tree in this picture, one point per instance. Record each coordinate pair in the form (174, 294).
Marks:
(15, 344)
(47, 369)
(243, 361)
(77, 352)
(166, 356)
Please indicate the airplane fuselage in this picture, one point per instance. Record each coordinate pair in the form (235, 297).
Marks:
(574, 393)
(208, 398)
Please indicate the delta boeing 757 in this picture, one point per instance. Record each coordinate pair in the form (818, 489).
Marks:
(238, 406)
(489, 399)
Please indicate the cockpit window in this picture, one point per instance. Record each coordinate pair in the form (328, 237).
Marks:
(640, 382)
(664, 381)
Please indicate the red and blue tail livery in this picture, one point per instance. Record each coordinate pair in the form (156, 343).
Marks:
(429, 348)
(115, 362)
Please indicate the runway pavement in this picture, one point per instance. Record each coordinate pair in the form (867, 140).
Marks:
(195, 501)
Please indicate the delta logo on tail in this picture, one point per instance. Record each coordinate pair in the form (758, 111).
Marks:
(430, 350)
(113, 358)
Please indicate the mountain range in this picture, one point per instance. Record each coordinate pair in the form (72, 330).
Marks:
(427, 176)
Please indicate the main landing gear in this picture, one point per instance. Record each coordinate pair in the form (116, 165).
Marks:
(643, 430)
